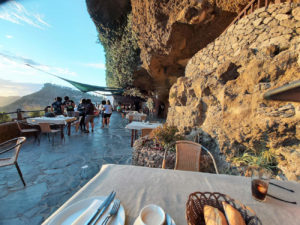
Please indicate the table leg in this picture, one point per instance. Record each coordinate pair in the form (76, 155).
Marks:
(69, 129)
(135, 135)
(132, 134)
(62, 131)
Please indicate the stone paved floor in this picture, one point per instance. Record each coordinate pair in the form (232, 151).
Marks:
(54, 173)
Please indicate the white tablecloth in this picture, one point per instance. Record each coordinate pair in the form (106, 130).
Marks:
(136, 116)
(130, 111)
(52, 120)
(141, 125)
(139, 186)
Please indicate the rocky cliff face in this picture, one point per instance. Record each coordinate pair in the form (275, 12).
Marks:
(170, 32)
(107, 15)
(221, 95)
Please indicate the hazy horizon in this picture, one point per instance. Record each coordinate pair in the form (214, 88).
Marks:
(39, 40)
(10, 88)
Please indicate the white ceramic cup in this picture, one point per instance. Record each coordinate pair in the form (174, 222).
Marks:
(152, 215)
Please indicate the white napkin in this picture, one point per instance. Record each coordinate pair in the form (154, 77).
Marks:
(88, 213)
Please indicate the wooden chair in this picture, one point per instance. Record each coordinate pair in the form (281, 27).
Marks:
(46, 129)
(130, 118)
(14, 146)
(188, 156)
(146, 131)
(76, 123)
(143, 118)
(24, 132)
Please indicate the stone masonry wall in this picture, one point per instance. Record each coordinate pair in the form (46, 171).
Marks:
(221, 95)
(145, 153)
(277, 25)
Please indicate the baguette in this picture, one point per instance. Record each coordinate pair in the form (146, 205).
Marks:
(233, 216)
(213, 216)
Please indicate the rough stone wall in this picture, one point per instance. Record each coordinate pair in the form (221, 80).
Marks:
(221, 94)
(171, 32)
(145, 153)
(274, 25)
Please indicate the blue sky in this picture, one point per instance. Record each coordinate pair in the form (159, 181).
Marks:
(57, 36)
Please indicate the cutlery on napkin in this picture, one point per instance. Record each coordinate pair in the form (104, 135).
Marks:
(88, 213)
(102, 208)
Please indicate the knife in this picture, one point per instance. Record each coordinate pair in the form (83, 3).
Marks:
(169, 221)
(98, 216)
(104, 203)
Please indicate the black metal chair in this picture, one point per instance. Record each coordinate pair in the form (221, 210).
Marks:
(14, 146)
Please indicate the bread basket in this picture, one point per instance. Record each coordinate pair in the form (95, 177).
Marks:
(197, 201)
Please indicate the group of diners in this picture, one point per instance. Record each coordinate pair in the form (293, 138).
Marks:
(86, 111)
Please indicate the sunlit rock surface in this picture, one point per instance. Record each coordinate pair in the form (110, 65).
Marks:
(171, 32)
(222, 91)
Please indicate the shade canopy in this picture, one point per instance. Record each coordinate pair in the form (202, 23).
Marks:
(83, 87)
(87, 87)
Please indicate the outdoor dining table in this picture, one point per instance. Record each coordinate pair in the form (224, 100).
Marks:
(135, 126)
(136, 116)
(58, 120)
(137, 187)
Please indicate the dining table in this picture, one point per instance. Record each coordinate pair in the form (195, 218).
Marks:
(137, 187)
(61, 121)
(137, 125)
(136, 116)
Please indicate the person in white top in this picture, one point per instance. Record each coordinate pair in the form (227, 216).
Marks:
(107, 112)
(101, 108)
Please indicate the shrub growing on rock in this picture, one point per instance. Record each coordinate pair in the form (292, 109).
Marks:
(167, 136)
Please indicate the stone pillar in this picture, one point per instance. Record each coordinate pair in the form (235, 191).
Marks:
(19, 114)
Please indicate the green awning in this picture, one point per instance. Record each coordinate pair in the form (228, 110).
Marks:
(87, 87)
(83, 87)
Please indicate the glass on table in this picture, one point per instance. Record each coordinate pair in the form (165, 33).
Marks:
(260, 178)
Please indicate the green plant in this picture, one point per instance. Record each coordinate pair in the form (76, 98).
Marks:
(4, 118)
(266, 159)
(166, 136)
(133, 92)
(36, 114)
(121, 52)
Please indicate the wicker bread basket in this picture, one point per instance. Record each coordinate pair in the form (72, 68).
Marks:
(197, 201)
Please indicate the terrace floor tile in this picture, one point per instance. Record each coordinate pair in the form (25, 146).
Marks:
(54, 173)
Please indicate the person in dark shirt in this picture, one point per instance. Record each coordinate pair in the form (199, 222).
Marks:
(101, 108)
(81, 109)
(69, 105)
(57, 106)
(89, 112)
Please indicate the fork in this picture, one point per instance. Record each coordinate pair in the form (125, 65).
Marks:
(113, 211)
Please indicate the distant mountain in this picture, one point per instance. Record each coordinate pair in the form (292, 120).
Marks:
(45, 97)
(8, 100)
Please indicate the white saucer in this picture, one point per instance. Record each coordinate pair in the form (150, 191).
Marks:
(137, 222)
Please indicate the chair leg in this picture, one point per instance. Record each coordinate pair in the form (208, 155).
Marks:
(52, 139)
(20, 173)
(37, 138)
